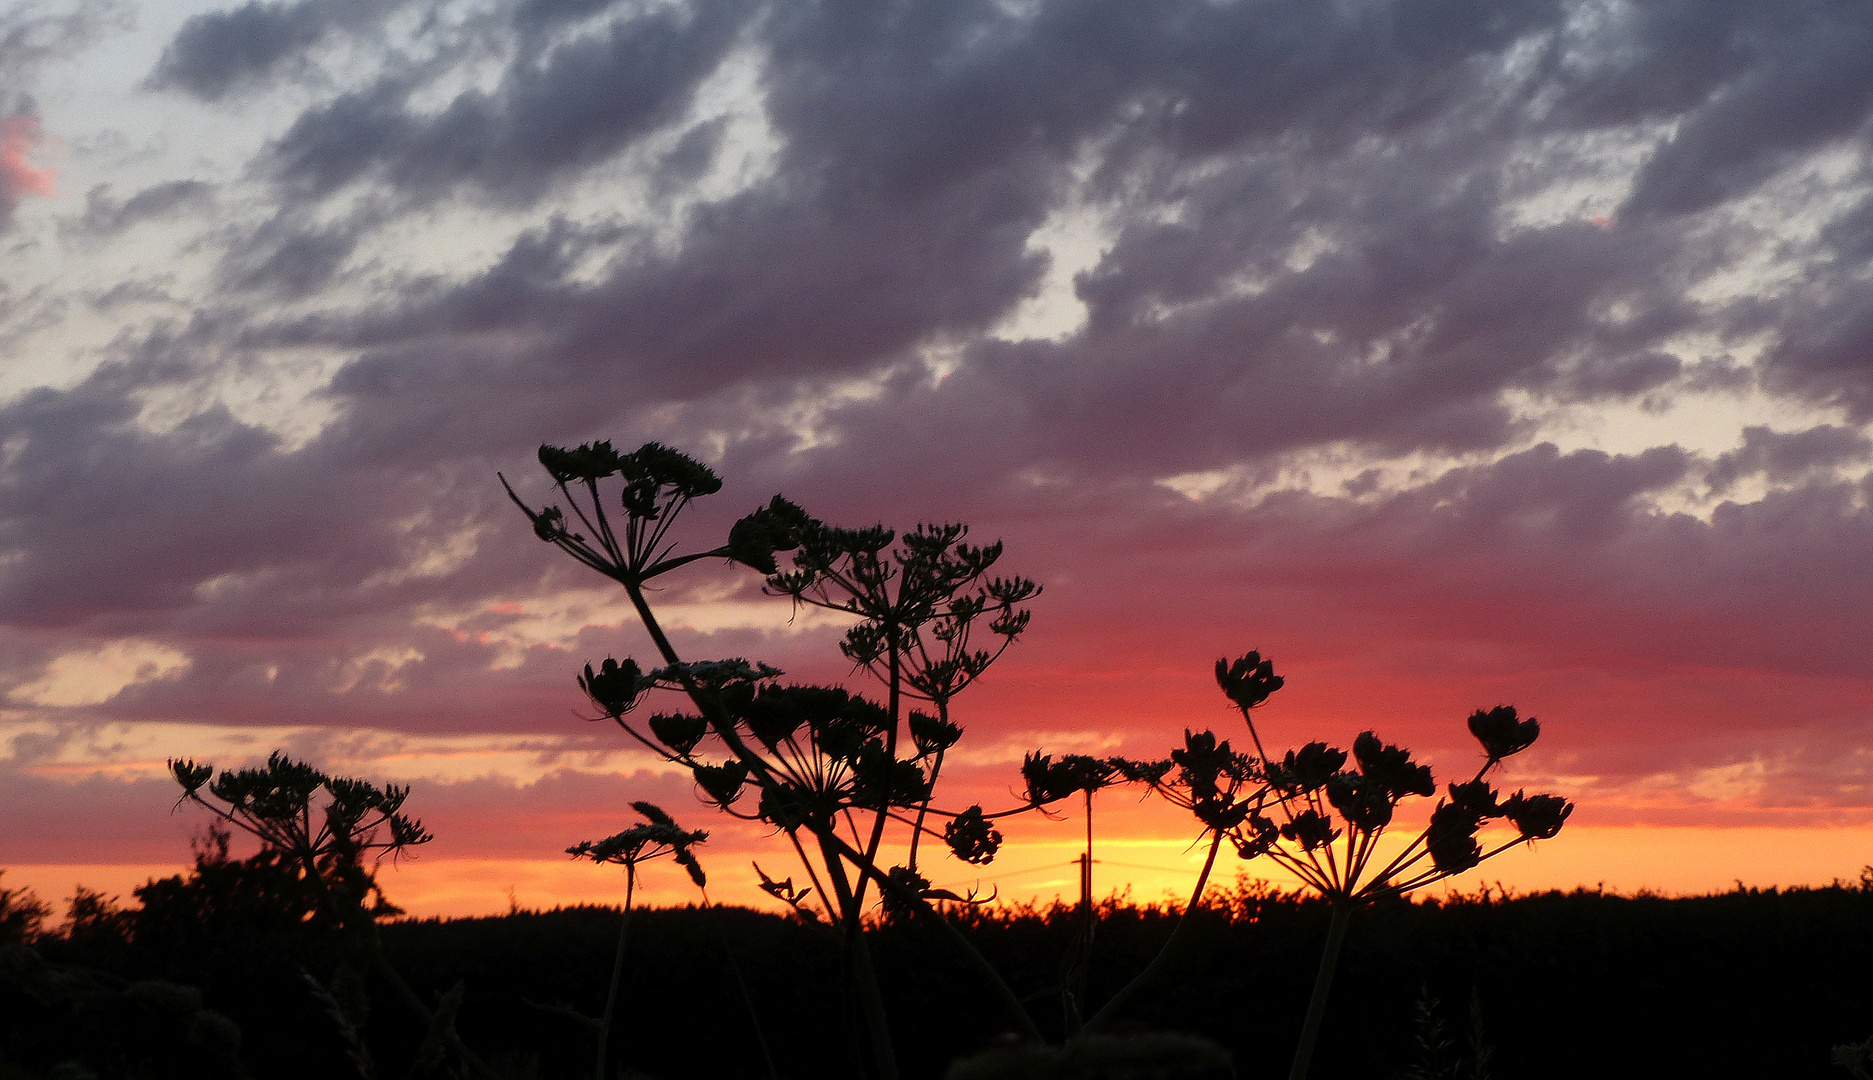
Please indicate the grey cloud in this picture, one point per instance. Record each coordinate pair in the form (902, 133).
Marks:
(216, 53)
(690, 157)
(32, 36)
(537, 15)
(1623, 377)
(132, 291)
(291, 257)
(578, 103)
(1823, 334)
(1805, 83)
(88, 488)
(1785, 456)
(106, 216)
(760, 291)
(922, 148)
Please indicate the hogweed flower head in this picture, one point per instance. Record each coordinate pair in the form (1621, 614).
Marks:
(1538, 817)
(615, 687)
(657, 837)
(1502, 732)
(1307, 769)
(971, 838)
(1249, 681)
(1049, 781)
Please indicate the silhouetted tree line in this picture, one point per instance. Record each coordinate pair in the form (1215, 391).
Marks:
(223, 972)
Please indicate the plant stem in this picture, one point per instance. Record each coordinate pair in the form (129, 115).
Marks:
(896, 708)
(389, 974)
(864, 977)
(1323, 983)
(999, 986)
(1073, 988)
(617, 975)
(831, 846)
(1106, 1014)
(873, 1003)
(1010, 1003)
(741, 983)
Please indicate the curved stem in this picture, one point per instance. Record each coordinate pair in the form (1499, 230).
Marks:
(894, 639)
(825, 898)
(617, 974)
(391, 975)
(830, 843)
(1323, 984)
(1010, 1003)
(741, 983)
(923, 812)
(999, 986)
(1073, 990)
(871, 1000)
(1111, 1008)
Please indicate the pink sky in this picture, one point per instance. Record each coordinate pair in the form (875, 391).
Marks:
(1452, 356)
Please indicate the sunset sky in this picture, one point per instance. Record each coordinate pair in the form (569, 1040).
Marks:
(1450, 352)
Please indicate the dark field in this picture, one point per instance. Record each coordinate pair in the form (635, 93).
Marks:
(1745, 984)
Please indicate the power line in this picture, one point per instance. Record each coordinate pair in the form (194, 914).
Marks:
(1055, 867)
(1143, 866)
(1059, 866)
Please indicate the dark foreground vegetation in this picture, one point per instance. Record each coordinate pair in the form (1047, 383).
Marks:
(1584, 984)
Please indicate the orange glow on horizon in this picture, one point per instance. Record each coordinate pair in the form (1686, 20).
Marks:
(1681, 861)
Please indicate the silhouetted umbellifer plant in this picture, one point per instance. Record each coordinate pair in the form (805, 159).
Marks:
(331, 831)
(836, 773)
(1323, 821)
(656, 838)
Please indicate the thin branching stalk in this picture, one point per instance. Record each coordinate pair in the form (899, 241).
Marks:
(858, 957)
(388, 972)
(1110, 1011)
(1323, 985)
(895, 689)
(617, 974)
(741, 984)
(832, 846)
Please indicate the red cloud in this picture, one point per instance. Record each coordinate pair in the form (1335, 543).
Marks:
(19, 136)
